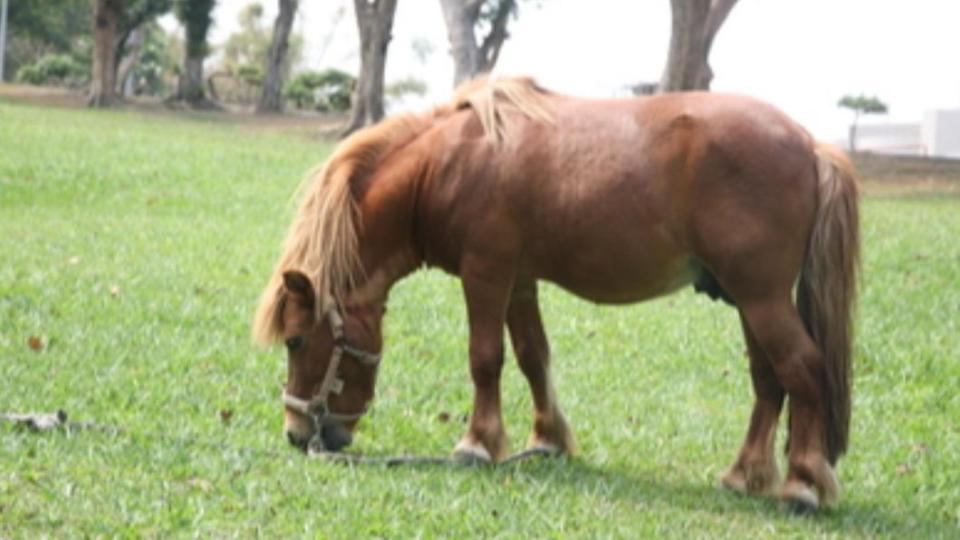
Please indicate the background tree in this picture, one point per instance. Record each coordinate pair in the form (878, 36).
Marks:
(114, 22)
(106, 21)
(270, 96)
(860, 105)
(131, 35)
(156, 62)
(195, 16)
(52, 27)
(239, 77)
(250, 43)
(464, 18)
(375, 22)
(695, 25)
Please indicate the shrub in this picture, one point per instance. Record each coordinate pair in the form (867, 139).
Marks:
(52, 69)
(327, 90)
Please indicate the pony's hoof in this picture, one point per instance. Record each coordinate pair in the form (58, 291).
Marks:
(471, 454)
(756, 480)
(799, 499)
(733, 481)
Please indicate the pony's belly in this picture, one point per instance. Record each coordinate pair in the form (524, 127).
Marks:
(627, 283)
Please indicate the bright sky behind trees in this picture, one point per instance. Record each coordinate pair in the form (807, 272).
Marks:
(801, 56)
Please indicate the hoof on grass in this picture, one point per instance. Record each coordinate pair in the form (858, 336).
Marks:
(759, 480)
(733, 481)
(471, 454)
(799, 499)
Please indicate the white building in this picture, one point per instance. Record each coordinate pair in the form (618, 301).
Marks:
(938, 135)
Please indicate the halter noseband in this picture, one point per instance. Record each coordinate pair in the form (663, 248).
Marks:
(317, 408)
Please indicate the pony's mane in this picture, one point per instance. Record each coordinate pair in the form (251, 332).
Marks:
(322, 241)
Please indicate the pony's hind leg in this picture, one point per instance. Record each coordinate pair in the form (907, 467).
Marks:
(755, 470)
(800, 369)
(550, 431)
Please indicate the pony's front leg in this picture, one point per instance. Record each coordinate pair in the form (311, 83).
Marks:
(487, 293)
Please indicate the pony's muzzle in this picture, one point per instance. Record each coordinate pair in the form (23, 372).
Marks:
(330, 438)
(297, 429)
(335, 437)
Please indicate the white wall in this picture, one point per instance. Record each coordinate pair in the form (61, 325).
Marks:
(941, 132)
(937, 136)
(902, 139)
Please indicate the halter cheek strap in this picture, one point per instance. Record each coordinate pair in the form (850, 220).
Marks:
(317, 408)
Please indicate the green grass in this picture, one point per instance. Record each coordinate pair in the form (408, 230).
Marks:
(136, 247)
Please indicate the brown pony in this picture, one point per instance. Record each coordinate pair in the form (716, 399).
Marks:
(616, 201)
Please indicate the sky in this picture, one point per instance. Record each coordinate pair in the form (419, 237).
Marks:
(802, 56)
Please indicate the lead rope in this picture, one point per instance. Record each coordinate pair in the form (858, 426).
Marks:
(59, 421)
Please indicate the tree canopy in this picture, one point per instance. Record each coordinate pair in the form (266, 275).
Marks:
(39, 29)
(863, 104)
(196, 17)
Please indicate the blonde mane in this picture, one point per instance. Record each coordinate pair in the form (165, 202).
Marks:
(322, 241)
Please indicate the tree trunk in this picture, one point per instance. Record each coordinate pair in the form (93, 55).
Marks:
(270, 98)
(470, 58)
(461, 18)
(493, 42)
(695, 25)
(190, 87)
(132, 46)
(195, 16)
(853, 131)
(106, 16)
(375, 22)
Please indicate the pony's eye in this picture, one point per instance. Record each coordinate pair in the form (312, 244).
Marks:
(294, 343)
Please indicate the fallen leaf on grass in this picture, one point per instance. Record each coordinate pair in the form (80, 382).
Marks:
(200, 483)
(35, 343)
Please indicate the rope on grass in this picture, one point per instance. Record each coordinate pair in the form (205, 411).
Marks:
(59, 421)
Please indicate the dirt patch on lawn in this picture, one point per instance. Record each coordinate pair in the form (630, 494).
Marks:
(900, 176)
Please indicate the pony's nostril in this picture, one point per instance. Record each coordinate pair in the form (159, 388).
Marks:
(335, 437)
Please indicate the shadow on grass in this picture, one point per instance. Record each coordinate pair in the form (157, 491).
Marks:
(616, 483)
(849, 517)
(620, 485)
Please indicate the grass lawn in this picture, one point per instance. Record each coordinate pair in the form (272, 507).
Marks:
(135, 248)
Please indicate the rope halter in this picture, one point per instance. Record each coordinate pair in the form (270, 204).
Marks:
(317, 408)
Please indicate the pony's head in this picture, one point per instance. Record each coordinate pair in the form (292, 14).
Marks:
(332, 341)
(331, 366)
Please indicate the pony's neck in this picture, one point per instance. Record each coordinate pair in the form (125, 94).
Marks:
(386, 244)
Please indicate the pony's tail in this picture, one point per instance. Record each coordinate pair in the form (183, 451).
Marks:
(827, 288)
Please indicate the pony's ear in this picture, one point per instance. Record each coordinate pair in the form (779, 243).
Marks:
(298, 285)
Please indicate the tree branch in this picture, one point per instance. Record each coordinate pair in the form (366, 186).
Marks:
(719, 10)
(493, 41)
